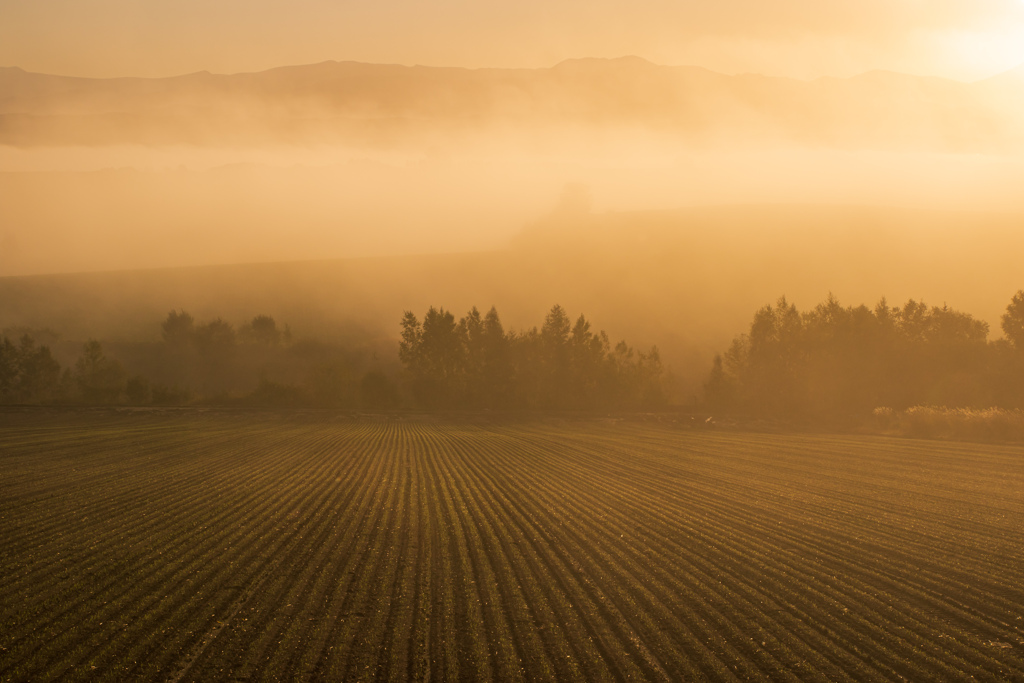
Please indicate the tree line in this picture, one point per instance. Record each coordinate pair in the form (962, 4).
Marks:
(257, 363)
(832, 361)
(30, 374)
(473, 362)
(837, 361)
(469, 363)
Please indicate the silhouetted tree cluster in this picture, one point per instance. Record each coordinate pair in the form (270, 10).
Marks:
(28, 372)
(259, 363)
(474, 363)
(100, 379)
(1013, 321)
(836, 360)
(829, 362)
(201, 355)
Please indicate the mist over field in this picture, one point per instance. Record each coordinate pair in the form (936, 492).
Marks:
(665, 203)
(336, 160)
(511, 341)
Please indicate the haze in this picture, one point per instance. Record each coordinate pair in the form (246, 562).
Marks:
(511, 341)
(963, 39)
(149, 135)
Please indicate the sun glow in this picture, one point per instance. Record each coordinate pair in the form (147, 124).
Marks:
(975, 56)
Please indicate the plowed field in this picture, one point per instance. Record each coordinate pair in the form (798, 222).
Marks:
(234, 546)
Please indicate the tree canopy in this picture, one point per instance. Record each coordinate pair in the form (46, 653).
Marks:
(835, 360)
(473, 362)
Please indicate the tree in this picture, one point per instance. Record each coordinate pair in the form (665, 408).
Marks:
(719, 389)
(263, 330)
(949, 327)
(555, 361)
(476, 363)
(775, 355)
(28, 373)
(8, 369)
(410, 348)
(649, 376)
(178, 329)
(1013, 321)
(100, 379)
(434, 354)
(587, 359)
(836, 361)
(471, 331)
(555, 331)
(912, 321)
(496, 370)
(216, 337)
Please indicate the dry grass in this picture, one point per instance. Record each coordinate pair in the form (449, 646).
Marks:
(987, 424)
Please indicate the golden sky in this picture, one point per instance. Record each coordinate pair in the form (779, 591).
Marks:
(962, 39)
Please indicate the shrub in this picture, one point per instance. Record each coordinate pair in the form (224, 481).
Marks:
(985, 424)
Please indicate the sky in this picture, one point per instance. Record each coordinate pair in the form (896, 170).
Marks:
(960, 39)
(67, 207)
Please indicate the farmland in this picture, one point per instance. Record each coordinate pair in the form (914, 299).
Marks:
(206, 545)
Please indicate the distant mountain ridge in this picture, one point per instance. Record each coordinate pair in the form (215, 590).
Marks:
(392, 105)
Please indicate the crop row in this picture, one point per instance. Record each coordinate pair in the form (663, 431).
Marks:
(206, 546)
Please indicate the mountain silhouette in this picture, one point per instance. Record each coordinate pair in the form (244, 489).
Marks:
(393, 105)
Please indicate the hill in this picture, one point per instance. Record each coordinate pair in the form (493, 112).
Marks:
(686, 280)
(380, 105)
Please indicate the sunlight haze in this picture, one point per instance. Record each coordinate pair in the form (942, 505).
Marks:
(511, 340)
(360, 135)
(961, 39)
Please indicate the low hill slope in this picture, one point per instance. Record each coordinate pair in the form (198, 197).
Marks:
(685, 280)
